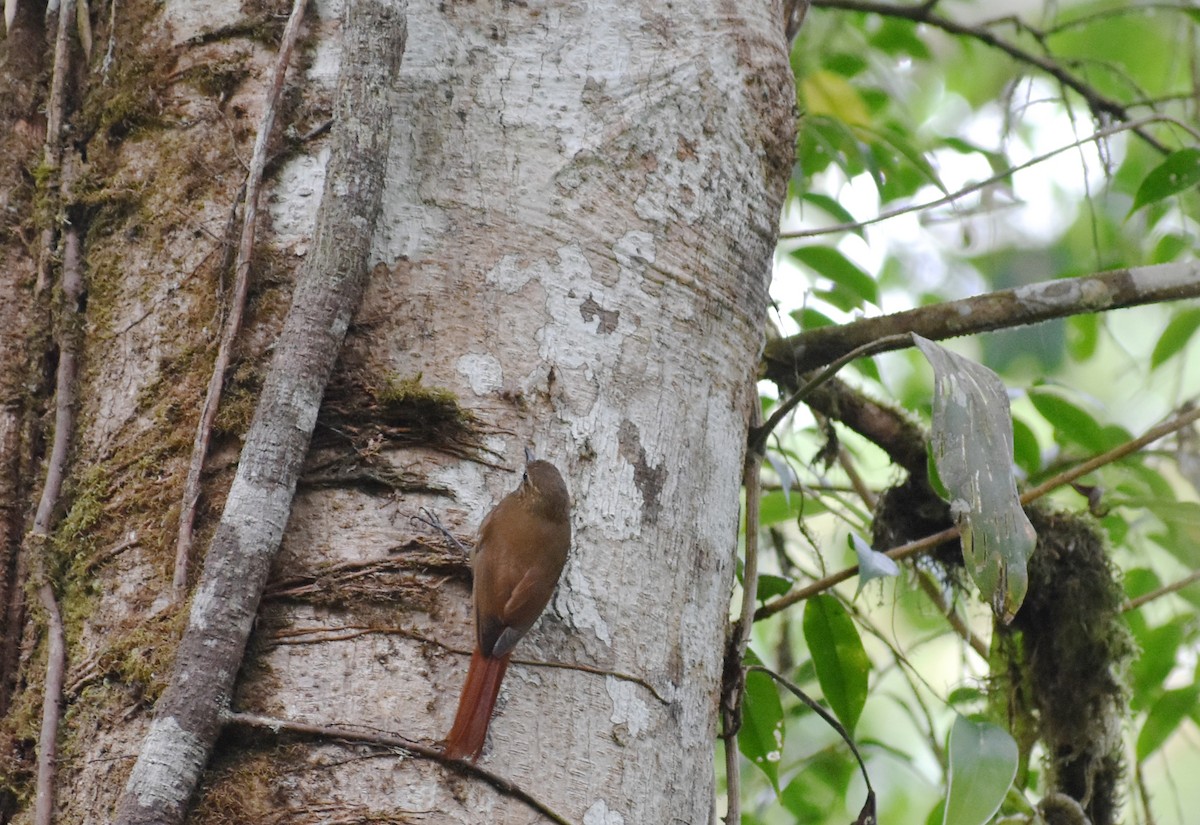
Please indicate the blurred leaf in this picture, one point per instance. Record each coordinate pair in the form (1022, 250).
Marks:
(833, 208)
(770, 586)
(824, 140)
(869, 368)
(996, 160)
(1170, 247)
(973, 448)
(820, 788)
(1172, 707)
(845, 63)
(1026, 450)
(1083, 336)
(809, 318)
(965, 696)
(826, 93)
(1182, 520)
(1176, 336)
(775, 507)
(1181, 170)
(761, 736)
(1140, 581)
(983, 762)
(897, 36)
(841, 662)
(1073, 423)
(829, 263)
(900, 141)
(1160, 649)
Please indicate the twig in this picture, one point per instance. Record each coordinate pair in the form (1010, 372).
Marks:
(56, 657)
(1097, 102)
(759, 434)
(55, 115)
(430, 519)
(1098, 135)
(735, 673)
(345, 633)
(919, 546)
(64, 426)
(504, 786)
(1189, 579)
(233, 323)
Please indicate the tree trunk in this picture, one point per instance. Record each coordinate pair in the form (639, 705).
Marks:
(577, 227)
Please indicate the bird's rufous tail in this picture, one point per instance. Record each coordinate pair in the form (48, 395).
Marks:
(475, 705)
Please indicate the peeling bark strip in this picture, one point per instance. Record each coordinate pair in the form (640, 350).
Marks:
(1006, 308)
(329, 287)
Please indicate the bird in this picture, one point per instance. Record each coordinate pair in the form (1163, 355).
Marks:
(518, 557)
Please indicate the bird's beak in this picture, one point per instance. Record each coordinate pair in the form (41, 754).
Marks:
(528, 455)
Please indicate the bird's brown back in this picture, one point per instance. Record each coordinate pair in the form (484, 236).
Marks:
(520, 554)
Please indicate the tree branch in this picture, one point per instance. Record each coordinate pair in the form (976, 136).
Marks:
(1166, 589)
(786, 358)
(233, 323)
(329, 287)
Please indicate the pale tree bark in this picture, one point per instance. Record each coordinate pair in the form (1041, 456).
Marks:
(578, 219)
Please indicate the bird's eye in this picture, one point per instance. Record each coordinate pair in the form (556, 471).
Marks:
(524, 478)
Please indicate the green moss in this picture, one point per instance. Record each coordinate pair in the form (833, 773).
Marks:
(239, 787)
(398, 393)
(218, 78)
(238, 400)
(1072, 658)
(132, 96)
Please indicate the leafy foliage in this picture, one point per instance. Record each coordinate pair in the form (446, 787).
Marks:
(941, 156)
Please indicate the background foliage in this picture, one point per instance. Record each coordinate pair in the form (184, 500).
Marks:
(925, 111)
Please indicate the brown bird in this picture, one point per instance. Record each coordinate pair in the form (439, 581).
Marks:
(518, 557)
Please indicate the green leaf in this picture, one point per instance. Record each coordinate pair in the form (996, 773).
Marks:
(833, 208)
(1160, 649)
(809, 318)
(1173, 707)
(761, 736)
(1083, 336)
(820, 788)
(1175, 337)
(770, 586)
(823, 140)
(845, 63)
(829, 263)
(838, 654)
(1026, 450)
(775, 507)
(1181, 170)
(983, 762)
(1170, 247)
(973, 448)
(899, 37)
(1073, 423)
(826, 93)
